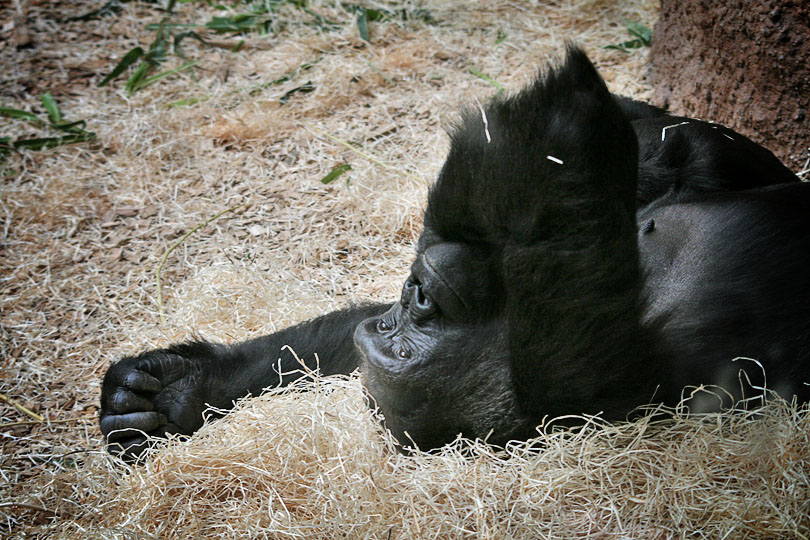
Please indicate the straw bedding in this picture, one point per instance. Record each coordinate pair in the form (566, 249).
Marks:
(85, 228)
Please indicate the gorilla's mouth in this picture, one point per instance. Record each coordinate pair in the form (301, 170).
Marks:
(386, 377)
(375, 349)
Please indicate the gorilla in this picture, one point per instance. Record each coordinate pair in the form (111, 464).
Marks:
(582, 253)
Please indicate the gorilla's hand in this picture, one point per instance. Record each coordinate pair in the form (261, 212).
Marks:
(152, 394)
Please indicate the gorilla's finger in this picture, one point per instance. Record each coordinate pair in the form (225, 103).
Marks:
(164, 367)
(121, 426)
(140, 381)
(174, 429)
(125, 401)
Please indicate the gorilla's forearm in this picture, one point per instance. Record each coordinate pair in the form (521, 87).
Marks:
(324, 343)
(165, 391)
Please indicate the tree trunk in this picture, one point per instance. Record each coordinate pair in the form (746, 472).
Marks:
(741, 63)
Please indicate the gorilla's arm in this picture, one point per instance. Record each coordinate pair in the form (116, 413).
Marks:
(165, 391)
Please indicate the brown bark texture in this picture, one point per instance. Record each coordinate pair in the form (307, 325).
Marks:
(741, 63)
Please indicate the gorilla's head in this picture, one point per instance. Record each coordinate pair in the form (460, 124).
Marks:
(525, 283)
(437, 363)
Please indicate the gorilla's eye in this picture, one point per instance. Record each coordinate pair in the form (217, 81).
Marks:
(383, 326)
(403, 353)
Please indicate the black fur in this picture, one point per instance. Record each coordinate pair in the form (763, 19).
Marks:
(582, 253)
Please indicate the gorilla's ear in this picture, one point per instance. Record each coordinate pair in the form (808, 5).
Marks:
(549, 154)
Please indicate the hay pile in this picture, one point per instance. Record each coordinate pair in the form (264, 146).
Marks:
(84, 228)
(315, 465)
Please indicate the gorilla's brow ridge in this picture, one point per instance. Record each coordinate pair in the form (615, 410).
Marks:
(446, 284)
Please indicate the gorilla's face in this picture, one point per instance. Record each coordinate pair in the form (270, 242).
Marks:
(437, 364)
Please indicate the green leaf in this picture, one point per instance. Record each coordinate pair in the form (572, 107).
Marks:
(53, 109)
(640, 31)
(130, 58)
(377, 15)
(51, 142)
(335, 173)
(21, 115)
(362, 25)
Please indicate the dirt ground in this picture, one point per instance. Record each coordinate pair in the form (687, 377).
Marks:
(251, 129)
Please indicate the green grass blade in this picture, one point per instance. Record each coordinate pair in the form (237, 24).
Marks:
(130, 58)
(362, 25)
(239, 23)
(41, 143)
(156, 26)
(71, 127)
(51, 106)
(335, 173)
(163, 74)
(484, 76)
(21, 115)
(625, 46)
(178, 39)
(303, 89)
(160, 46)
(320, 21)
(640, 31)
(133, 83)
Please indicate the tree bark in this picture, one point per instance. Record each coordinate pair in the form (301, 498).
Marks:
(741, 63)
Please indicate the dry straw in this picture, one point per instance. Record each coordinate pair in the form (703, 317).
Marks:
(315, 464)
(84, 229)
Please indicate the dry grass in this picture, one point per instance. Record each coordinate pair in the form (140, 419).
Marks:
(84, 227)
(315, 465)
